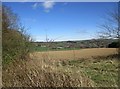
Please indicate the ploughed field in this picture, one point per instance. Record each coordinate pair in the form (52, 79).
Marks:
(96, 67)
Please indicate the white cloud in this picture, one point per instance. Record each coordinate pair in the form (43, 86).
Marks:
(48, 5)
(35, 5)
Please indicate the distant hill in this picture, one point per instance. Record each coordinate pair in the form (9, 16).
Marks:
(93, 43)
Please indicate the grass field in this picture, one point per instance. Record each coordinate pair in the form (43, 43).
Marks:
(41, 49)
(73, 68)
(75, 54)
(102, 70)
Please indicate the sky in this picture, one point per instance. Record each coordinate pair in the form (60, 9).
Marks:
(61, 21)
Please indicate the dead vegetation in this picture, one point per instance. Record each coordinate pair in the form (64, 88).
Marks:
(32, 74)
(45, 72)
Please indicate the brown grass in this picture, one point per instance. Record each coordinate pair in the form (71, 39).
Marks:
(44, 71)
(75, 54)
(41, 74)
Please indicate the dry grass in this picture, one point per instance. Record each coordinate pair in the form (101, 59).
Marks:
(43, 71)
(103, 70)
(75, 54)
(34, 74)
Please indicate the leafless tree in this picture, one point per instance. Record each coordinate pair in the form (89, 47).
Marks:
(111, 26)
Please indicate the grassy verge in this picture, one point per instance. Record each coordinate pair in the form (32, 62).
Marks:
(92, 72)
(41, 73)
(102, 70)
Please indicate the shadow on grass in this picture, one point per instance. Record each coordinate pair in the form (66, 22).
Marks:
(113, 56)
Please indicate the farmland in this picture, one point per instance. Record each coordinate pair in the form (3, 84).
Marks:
(75, 54)
(96, 67)
(72, 45)
(52, 44)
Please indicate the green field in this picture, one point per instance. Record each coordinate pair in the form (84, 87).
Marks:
(40, 49)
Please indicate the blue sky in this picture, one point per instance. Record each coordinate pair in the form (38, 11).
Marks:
(62, 20)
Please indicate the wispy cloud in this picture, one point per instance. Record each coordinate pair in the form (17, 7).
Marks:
(35, 5)
(82, 31)
(29, 20)
(65, 3)
(48, 5)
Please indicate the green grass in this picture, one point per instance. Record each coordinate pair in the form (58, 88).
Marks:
(104, 72)
(40, 49)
